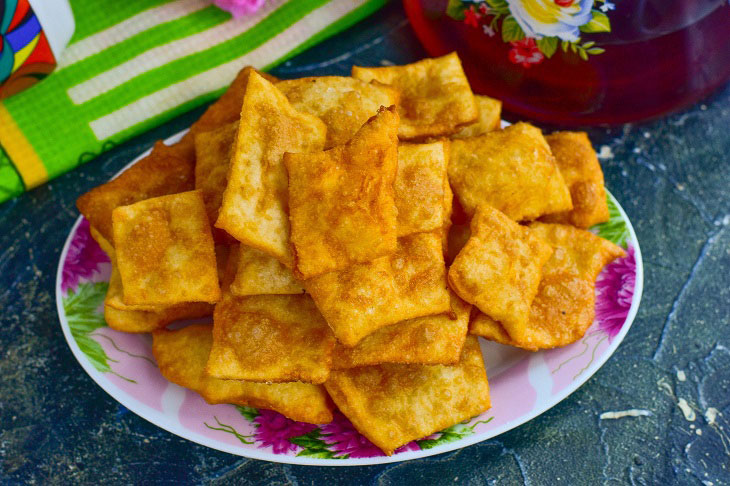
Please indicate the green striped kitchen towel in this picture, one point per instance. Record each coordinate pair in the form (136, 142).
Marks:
(135, 64)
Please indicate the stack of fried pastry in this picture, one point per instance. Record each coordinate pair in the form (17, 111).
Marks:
(312, 218)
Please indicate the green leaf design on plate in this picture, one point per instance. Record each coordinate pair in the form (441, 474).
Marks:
(313, 445)
(81, 306)
(451, 434)
(615, 229)
(249, 413)
(511, 30)
(455, 9)
(599, 23)
(548, 46)
(229, 429)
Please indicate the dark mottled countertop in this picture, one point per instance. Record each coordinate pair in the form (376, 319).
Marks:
(673, 178)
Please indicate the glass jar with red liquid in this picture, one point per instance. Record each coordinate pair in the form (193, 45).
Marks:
(583, 61)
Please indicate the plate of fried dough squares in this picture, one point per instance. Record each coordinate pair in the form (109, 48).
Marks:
(350, 270)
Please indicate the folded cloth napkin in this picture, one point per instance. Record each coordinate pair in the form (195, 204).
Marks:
(133, 65)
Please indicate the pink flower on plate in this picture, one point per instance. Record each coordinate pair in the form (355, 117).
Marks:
(239, 8)
(525, 52)
(345, 439)
(614, 293)
(82, 259)
(275, 430)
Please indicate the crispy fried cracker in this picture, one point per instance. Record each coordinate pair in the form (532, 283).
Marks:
(420, 195)
(258, 273)
(582, 173)
(182, 355)
(499, 268)
(344, 104)
(364, 297)
(164, 251)
(158, 174)
(435, 339)
(490, 118)
(341, 202)
(254, 209)
(512, 170)
(212, 156)
(270, 338)
(435, 95)
(563, 308)
(392, 404)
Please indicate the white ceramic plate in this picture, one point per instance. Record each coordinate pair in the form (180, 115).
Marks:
(523, 385)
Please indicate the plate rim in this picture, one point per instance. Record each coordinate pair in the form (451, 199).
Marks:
(161, 420)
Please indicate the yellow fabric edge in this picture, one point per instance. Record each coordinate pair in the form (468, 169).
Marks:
(21, 153)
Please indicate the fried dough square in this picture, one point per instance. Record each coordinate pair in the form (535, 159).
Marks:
(254, 208)
(564, 306)
(158, 174)
(258, 273)
(490, 118)
(212, 156)
(103, 243)
(365, 297)
(420, 187)
(164, 251)
(499, 269)
(435, 95)
(435, 339)
(512, 170)
(270, 338)
(341, 201)
(582, 173)
(344, 104)
(457, 237)
(182, 355)
(393, 404)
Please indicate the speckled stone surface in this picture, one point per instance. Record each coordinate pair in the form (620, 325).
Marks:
(673, 178)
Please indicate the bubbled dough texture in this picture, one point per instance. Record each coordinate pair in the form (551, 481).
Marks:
(182, 355)
(164, 251)
(255, 202)
(392, 404)
(512, 170)
(499, 268)
(435, 95)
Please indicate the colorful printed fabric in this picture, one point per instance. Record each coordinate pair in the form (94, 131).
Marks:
(25, 55)
(134, 66)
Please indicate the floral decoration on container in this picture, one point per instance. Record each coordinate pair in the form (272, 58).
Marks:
(537, 28)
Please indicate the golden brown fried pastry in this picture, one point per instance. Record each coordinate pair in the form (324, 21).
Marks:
(158, 174)
(212, 156)
(164, 251)
(499, 269)
(365, 297)
(435, 339)
(563, 308)
(182, 355)
(344, 104)
(490, 118)
(393, 404)
(512, 170)
(341, 203)
(421, 195)
(270, 338)
(582, 173)
(435, 95)
(258, 273)
(254, 208)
